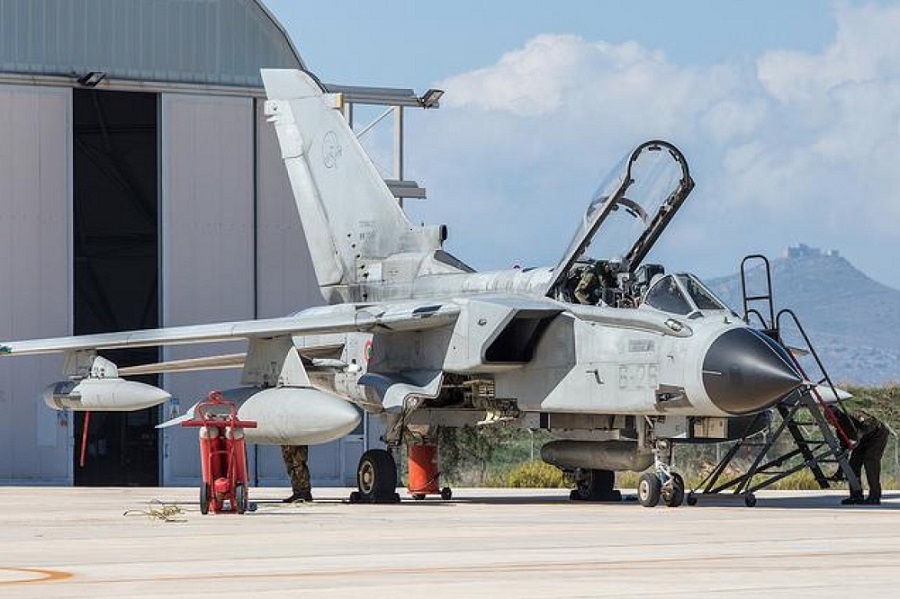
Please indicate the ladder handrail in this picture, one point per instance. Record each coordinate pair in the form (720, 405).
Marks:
(832, 419)
(747, 299)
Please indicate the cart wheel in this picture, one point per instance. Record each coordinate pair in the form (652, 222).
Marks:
(750, 500)
(418, 496)
(240, 497)
(691, 499)
(204, 498)
(446, 493)
(376, 476)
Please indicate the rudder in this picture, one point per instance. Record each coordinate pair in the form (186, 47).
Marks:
(347, 211)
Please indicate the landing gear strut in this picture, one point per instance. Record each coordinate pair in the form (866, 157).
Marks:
(595, 485)
(376, 478)
(663, 483)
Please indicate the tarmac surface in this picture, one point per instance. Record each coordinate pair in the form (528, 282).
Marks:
(116, 542)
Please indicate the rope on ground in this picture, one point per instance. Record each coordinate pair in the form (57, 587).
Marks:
(167, 512)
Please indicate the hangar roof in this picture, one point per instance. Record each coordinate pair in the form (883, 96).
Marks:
(204, 42)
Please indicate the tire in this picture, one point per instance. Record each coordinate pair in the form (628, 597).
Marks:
(673, 491)
(240, 498)
(376, 476)
(204, 498)
(649, 489)
(750, 500)
(446, 493)
(419, 496)
(597, 485)
(691, 499)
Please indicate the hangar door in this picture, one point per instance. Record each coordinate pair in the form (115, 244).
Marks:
(35, 187)
(115, 245)
(207, 175)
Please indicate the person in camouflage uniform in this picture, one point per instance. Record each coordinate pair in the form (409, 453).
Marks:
(869, 438)
(295, 458)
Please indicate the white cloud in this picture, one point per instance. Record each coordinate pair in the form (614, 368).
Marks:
(798, 147)
(566, 77)
(866, 48)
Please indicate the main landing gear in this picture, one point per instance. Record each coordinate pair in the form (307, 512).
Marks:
(663, 483)
(594, 485)
(376, 478)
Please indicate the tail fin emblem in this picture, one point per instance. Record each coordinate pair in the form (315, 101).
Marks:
(331, 149)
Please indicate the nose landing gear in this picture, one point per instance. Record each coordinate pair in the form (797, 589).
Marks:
(663, 483)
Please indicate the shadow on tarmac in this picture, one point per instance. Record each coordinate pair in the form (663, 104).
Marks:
(814, 500)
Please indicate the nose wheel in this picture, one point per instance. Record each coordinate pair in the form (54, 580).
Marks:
(663, 484)
(651, 489)
(673, 491)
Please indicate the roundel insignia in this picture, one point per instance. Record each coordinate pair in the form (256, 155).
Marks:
(368, 350)
(331, 149)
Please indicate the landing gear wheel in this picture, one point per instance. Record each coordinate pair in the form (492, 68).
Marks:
(750, 500)
(376, 476)
(446, 493)
(673, 491)
(240, 498)
(204, 498)
(595, 485)
(649, 489)
(691, 499)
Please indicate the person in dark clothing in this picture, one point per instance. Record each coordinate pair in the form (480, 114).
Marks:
(295, 459)
(870, 437)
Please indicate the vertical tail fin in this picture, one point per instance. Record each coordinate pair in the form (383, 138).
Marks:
(348, 212)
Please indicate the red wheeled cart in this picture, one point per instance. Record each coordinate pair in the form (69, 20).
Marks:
(223, 455)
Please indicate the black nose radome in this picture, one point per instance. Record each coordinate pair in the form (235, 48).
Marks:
(742, 373)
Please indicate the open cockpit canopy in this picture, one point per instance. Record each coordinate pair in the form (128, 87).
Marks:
(632, 207)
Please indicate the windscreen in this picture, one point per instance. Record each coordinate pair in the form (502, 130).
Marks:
(702, 297)
(666, 295)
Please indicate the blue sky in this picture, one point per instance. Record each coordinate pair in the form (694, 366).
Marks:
(788, 112)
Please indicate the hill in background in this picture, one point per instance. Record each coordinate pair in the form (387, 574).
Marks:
(852, 320)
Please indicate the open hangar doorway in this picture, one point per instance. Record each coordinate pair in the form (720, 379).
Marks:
(116, 264)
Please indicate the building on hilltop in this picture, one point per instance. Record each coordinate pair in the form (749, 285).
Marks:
(801, 250)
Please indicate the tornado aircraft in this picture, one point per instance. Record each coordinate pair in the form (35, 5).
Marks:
(616, 358)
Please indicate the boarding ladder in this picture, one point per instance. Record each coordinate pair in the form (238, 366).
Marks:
(818, 438)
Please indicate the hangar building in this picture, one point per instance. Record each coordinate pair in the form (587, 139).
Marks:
(140, 187)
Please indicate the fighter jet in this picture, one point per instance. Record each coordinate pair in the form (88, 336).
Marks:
(616, 358)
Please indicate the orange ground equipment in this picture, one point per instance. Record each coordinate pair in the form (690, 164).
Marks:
(424, 477)
(223, 455)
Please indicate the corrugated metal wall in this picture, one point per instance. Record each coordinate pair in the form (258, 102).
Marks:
(213, 42)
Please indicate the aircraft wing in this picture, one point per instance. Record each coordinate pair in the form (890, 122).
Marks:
(314, 321)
